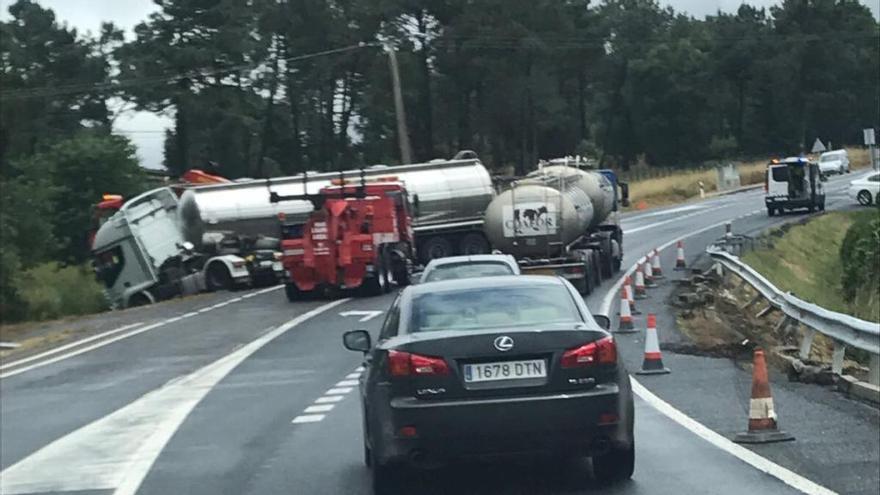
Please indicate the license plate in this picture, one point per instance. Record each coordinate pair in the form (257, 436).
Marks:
(505, 370)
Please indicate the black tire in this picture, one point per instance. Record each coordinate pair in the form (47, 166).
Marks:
(822, 205)
(473, 243)
(292, 292)
(218, 278)
(583, 285)
(139, 299)
(435, 247)
(401, 273)
(771, 211)
(596, 272)
(617, 465)
(378, 283)
(811, 208)
(368, 455)
(864, 198)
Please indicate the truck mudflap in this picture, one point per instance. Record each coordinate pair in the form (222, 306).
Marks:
(569, 271)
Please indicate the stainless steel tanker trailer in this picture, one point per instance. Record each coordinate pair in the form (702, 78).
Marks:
(220, 236)
(561, 220)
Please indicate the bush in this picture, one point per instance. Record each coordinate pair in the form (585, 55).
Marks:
(49, 291)
(859, 255)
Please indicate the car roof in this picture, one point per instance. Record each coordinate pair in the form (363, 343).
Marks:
(503, 258)
(834, 152)
(535, 281)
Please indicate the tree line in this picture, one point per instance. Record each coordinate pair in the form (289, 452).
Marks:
(271, 87)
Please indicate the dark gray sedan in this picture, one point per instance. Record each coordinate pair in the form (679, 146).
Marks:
(499, 365)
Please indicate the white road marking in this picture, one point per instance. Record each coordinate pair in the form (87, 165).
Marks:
(338, 391)
(319, 408)
(117, 451)
(760, 463)
(347, 383)
(329, 398)
(205, 310)
(172, 319)
(676, 219)
(353, 376)
(359, 369)
(365, 315)
(190, 314)
(308, 418)
(64, 347)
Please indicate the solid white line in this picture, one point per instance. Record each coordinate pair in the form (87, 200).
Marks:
(205, 310)
(308, 418)
(319, 408)
(347, 383)
(338, 391)
(329, 398)
(68, 346)
(173, 319)
(760, 463)
(190, 314)
(676, 219)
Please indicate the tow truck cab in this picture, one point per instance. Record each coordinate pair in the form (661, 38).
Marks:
(793, 183)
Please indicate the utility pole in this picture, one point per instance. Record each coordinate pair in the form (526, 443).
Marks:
(402, 132)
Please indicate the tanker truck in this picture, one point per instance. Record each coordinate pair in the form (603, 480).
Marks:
(157, 245)
(561, 220)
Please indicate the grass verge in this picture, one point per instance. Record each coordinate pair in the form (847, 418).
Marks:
(805, 259)
(49, 291)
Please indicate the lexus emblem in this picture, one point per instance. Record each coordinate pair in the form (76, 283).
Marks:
(504, 343)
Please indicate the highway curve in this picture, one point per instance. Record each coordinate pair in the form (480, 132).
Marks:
(241, 398)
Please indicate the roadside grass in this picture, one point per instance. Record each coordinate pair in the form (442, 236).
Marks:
(805, 259)
(678, 187)
(50, 291)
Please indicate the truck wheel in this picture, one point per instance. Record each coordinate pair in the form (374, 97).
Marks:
(292, 292)
(218, 278)
(435, 247)
(864, 197)
(473, 243)
(139, 299)
(378, 283)
(401, 273)
(771, 211)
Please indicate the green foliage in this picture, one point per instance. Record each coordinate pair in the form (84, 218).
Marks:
(49, 290)
(860, 257)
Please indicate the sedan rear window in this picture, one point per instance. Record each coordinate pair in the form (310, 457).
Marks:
(780, 174)
(493, 307)
(467, 270)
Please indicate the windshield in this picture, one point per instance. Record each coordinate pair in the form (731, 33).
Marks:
(484, 308)
(829, 158)
(453, 271)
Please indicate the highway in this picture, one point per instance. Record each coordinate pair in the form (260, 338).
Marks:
(247, 393)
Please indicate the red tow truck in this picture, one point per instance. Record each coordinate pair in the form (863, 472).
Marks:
(357, 237)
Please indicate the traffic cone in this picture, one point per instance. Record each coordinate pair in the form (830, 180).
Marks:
(627, 286)
(626, 319)
(679, 256)
(653, 362)
(655, 264)
(762, 417)
(649, 273)
(641, 293)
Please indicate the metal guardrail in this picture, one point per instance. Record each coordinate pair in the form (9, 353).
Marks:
(844, 330)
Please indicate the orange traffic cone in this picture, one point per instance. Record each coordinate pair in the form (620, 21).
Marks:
(641, 293)
(627, 286)
(762, 417)
(649, 273)
(626, 319)
(653, 362)
(655, 264)
(679, 256)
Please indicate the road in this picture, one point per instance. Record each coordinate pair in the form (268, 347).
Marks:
(257, 396)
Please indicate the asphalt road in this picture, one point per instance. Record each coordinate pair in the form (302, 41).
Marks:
(255, 395)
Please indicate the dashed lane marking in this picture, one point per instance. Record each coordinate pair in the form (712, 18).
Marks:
(329, 399)
(116, 452)
(339, 390)
(352, 376)
(308, 418)
(347, 383)
(319, 408)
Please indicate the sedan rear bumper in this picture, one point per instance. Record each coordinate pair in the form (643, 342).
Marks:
(584, 422)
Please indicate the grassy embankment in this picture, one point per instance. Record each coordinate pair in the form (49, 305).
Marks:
(682, 186)
(49, 291)
(806, 260)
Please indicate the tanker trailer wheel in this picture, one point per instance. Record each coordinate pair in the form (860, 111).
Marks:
(473, 243)
(584, 285)
(435, 247)
(596, 272)
(218, 278)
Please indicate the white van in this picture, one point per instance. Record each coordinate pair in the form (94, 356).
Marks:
(834, 162)
(793, 183)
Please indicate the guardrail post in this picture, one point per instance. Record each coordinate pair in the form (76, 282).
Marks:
(837, 357)
(874, 371)
(806, 341)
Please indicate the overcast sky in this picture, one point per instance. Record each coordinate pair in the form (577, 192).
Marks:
(146, 129)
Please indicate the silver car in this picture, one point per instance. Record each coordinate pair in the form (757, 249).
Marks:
(470, 266)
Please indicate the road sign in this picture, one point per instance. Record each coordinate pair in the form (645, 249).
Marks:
(365, 315)
(818, 147)
(869, 137)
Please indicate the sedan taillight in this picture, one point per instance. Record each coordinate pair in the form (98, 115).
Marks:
(602, 351)
(406, 364)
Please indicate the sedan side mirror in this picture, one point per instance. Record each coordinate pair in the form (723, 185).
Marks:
(603, 321)
(357, 340)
